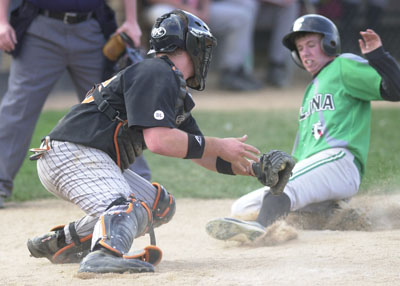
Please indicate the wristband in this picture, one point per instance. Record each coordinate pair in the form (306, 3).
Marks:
(224, 167)
(196, 144)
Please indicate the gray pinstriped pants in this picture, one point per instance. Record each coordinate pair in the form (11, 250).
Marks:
(327, 175)
(90, 179)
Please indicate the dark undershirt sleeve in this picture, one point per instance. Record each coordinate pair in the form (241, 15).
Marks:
(389, 70)
(190, 126)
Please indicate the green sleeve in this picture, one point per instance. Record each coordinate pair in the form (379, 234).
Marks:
(360, 79)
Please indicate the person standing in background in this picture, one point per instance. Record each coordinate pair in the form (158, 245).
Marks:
(277, 16)
(45, 39)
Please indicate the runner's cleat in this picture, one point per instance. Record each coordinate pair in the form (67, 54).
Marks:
(234, 230)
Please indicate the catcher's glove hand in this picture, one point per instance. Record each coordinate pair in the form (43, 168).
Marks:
(274, 170)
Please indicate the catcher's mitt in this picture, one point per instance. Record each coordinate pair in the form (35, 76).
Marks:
(274, 170)
(130, 144)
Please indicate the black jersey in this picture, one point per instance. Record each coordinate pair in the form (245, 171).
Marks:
(147, 94)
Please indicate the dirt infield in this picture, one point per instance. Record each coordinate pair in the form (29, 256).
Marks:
(365, 253)
(191, 257)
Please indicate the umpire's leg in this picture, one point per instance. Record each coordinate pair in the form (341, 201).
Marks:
(32, 75)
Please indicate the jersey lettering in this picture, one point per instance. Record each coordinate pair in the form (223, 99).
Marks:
(319, 102)
(328, 103)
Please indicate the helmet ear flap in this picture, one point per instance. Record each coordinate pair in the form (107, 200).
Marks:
(296, 58)
(330, 46)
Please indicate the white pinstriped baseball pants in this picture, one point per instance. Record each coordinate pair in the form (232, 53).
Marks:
(328, 175)
(90, 179)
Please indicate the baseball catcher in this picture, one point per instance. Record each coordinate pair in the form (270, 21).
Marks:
(85, 157)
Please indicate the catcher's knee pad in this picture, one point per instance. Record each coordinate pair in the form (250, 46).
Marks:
(164, 206)
(118, 229)
(52, 245)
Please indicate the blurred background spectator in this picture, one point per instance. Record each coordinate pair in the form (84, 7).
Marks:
(232, 22)
(382, 15)
(277, 16)
(351, 16)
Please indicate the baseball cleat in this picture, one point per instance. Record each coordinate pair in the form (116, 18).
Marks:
(44, 246)
(234, 230)
(52, 246)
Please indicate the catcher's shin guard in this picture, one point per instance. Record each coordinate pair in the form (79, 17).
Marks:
(52, 246)
(118, 230)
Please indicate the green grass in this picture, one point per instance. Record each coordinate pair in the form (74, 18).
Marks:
(266, 130)
(27, 185)
(383, 167)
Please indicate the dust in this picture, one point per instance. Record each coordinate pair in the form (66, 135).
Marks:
(278, 233)
(362, 213)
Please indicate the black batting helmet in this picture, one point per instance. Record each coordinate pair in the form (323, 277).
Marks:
(181, 29)
(313, 23)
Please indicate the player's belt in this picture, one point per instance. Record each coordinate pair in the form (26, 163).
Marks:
(67, 17)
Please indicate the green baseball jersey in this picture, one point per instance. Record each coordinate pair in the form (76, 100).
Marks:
(336, 109)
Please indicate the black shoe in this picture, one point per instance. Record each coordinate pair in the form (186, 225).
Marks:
(238, 80)
(47, 245)
(52, 245)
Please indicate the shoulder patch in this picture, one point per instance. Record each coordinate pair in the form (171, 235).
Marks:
(158, 115)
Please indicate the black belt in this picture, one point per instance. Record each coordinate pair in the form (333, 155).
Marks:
(67, 17)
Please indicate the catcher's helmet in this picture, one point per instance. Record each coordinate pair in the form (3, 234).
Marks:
(181, 29)
(313, 23)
